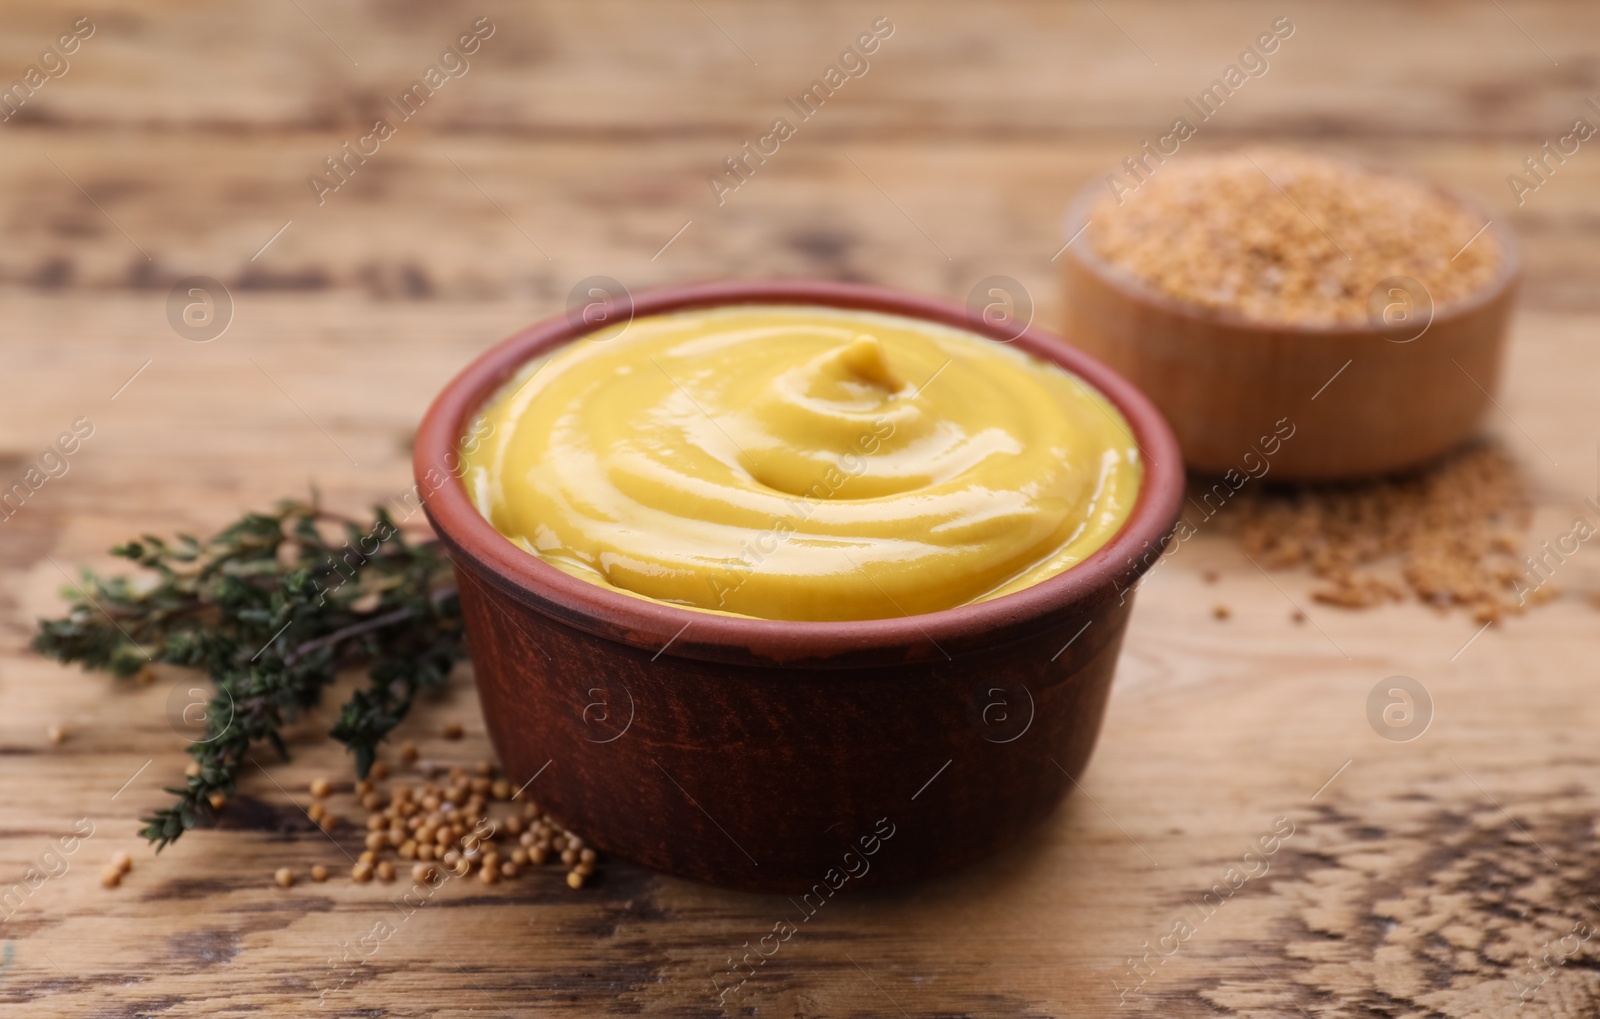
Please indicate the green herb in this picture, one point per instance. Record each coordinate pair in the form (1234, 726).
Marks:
(272, 608)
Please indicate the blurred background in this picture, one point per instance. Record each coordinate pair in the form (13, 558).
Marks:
(167, 140)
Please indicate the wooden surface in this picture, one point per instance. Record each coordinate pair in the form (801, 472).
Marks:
(1419, 875)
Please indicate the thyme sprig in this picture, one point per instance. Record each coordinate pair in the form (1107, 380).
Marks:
(272, 608)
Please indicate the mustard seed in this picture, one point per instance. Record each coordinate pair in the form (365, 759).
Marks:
(508, 869)
(385, 871)
(453, 730)
(538, 855)
(122, 861)
(316, 812)
(56, 733)
(1220, 612)
(485, 768)
(367, 856)
(575, 879)
(110, 877)
(362, 872)
(284, 877)
(320, 787)
(1289, 237)
(379, 770)
(319, 873)
(408, 753)
(217, 799)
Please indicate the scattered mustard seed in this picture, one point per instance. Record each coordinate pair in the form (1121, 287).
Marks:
(319, 873)
(575, 880)
(284, 876)
(320, 787)
(1447, 534)
(453, 730)
(122, 861)
(408, 753)
(56, 733)
(1221, 612)
(110, 877)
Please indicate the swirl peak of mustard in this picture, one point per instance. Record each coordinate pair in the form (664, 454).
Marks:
(803, 462)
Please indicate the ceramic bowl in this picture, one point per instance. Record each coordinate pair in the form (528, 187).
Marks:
(1409, 384)
(778, 755)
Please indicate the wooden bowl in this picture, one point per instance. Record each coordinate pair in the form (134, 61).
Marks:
(1352, 400)
(777, 755)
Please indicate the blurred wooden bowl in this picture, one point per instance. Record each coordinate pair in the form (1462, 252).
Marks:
(1330, 401)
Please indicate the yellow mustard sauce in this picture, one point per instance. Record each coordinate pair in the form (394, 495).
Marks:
(801, 462)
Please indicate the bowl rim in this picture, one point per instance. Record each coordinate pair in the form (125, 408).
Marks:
(1134, 287)
(657, 626)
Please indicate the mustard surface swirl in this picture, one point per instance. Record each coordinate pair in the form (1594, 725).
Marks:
(800, 462)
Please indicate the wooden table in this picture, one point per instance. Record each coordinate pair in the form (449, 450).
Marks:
(1419, 876)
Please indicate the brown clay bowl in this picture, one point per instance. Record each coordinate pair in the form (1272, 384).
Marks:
(778, 755)
(1227, 384)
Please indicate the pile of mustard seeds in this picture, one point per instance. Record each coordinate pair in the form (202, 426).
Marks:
(1289, 238)
(453, 822)
(1449, 535)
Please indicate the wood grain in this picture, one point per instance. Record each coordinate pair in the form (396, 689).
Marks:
(1416, 882)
